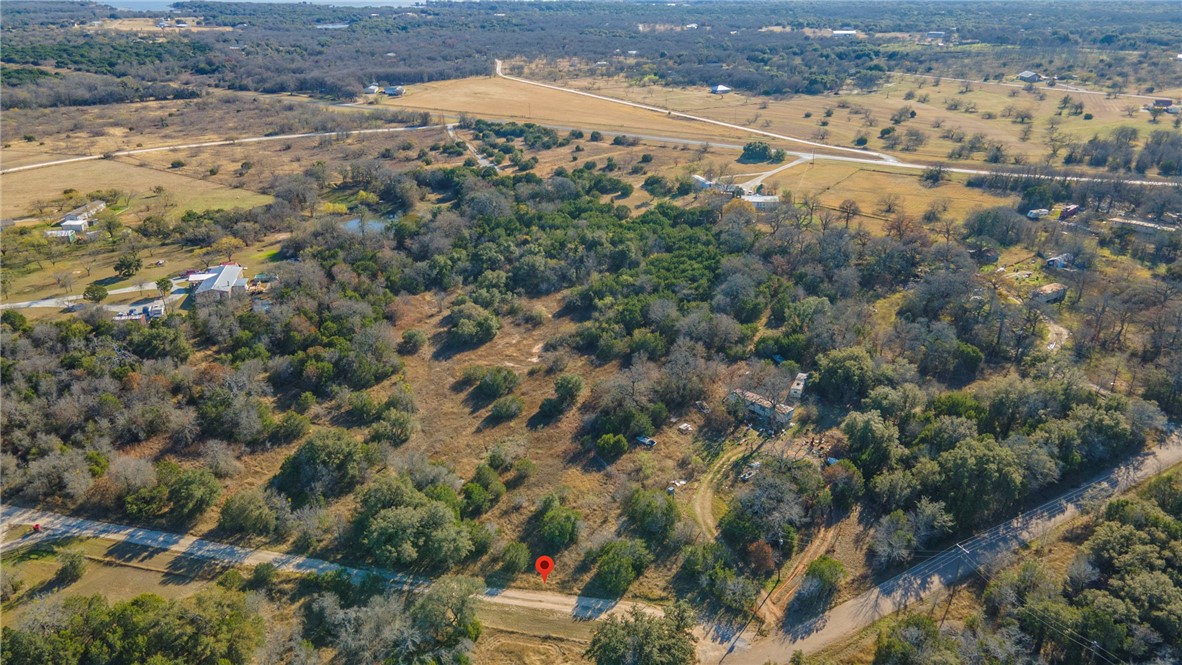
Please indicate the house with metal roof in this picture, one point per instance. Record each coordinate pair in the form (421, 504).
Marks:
(223, 283)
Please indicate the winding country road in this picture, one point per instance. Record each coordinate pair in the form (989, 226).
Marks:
(53, 525)
(944, 569)
(864, 156)
(212, 144)
(849, 617)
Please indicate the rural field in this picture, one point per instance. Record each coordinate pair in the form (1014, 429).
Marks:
(839, 120)
(502, 99)
(22, 190)
(859, 361)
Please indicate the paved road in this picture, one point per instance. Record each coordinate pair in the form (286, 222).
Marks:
(943, 569)
(210, 144)
(578, 608)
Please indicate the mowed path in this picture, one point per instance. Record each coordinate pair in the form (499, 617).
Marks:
(53, 525)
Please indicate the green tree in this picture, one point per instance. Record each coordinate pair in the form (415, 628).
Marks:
(873, 442)
(619, 563)
(190, 491)
(164, 287)
(128, 265)
(73, 565)
(653, 514)
(611, 446)
(644, 639)
(247, 512)
(979, 477)
(559, 524)
(515, 558)
(567, 388)
(94, 293)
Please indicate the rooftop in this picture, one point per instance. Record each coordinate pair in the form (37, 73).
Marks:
(221, 278)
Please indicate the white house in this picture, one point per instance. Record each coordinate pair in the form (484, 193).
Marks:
(84, 213)
(719, 89)
(372, 89)
(845, 32)
(797, 389)
(60, 234)
(75, 226)
(222, 283)
(1029, 77)
(395, 90)
(762, 201)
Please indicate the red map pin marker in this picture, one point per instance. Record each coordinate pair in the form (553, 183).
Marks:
(544, 565)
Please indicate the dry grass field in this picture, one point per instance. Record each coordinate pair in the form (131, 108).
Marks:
(848, 113)
(108, 573)
(19, 191)
(149, 25)
(502, 99)
(218, 116)
(835, 182)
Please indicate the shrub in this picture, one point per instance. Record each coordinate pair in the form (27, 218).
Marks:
(619, 563)
(263, 575)
(73, 565)
(247, 512)
(330, 463)
(515, 558)
(232, 580)
(611, 446)
(291, 427)
(413, 341)
(395, 428)
(506, 408)
(653, 514)
(496, 382)
(822, 577)
(304, 402)
(472, 325)
(559, 525)
(567, 388)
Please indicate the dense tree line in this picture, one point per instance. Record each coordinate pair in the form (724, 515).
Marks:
(1119, 600)
(285, 51)
(214, 626)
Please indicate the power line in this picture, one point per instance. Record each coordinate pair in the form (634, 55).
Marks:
(1050, 622)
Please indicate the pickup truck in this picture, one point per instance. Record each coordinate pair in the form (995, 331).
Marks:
(646, 441)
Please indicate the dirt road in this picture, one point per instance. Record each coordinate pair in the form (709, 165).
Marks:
(53, 525)
(943, 569)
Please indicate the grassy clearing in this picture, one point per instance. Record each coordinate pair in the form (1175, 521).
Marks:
(836, 182)
(99, 257)
(841, 127)
(19, 191)
(499, 98)
(118, 571)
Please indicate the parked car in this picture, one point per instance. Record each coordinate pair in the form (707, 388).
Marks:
(646, 441)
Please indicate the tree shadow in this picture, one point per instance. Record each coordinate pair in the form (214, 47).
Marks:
(544, 416)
